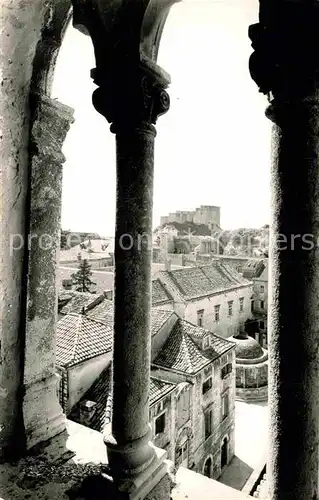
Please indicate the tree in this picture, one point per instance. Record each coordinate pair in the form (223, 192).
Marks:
(83, 277)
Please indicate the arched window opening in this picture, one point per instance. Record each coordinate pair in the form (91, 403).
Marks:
(208, 467)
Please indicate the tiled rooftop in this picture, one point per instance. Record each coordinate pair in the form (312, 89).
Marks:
(181, 353)
(192, 282)
(105, 281)
(101, 393)
(218, 345)
(73, 302)
(104, 311)
(80, 338)
(96, 247)
(159, 294)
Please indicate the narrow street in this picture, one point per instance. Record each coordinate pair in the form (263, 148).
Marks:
(250, 443)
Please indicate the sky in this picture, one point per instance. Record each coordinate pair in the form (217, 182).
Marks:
(213, 145)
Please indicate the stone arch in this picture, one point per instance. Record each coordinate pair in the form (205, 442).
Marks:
(185, 432)
(187, 435)
(56, 20)
(208, 465)
(224, 451)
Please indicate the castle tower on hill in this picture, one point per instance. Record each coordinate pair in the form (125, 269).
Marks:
(205, 214)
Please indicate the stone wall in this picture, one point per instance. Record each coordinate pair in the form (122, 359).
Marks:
(82, 376)
(21, 25)
(227, 325)
(221, 426)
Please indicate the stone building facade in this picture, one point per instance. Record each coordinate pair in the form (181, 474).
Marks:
(213, 296)
(205, 214)
(192, 389)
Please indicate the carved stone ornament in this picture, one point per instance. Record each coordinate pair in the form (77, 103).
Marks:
(285, 61)
(126, 37)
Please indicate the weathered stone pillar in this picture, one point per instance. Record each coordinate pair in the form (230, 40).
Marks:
(138, 101)
(285, 65)
(131, 96)
(42, 414)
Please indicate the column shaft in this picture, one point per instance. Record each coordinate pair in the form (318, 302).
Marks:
(129, 450)
(293, 306)
(133, 256)
(42, 414)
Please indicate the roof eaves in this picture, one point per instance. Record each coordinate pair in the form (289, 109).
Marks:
(217, 292)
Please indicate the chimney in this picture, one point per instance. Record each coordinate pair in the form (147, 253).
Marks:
(67, 284)
(87, 410)
(167, 264)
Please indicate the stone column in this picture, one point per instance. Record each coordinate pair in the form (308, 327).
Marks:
(132, 107)
(42, 414)
(285, 66)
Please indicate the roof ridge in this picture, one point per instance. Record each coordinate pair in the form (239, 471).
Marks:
(185, 349)
(77, 334)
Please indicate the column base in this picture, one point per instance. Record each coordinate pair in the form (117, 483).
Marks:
(154, 483)
(42, 413)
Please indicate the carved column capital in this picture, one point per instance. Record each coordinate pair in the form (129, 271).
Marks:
(133, 100)
(126, 36)
(285, 61)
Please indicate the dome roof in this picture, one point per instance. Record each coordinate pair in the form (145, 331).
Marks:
(247, 347)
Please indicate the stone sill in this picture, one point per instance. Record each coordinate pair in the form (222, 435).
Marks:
(44, 477)
(40, 477)
(193, 486)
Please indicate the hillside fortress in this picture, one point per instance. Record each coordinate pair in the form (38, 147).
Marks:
(205, 214)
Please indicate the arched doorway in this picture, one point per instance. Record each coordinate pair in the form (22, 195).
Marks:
(182, 454)
(208, 467)
(224, 453)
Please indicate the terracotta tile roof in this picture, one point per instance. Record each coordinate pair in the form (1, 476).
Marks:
(105, 281)
(97, 252)
(80, 338)
(159, 294)
(192, 282)
(159, 389)
(218, 344)
(159, 318)
(104, 312)
(74, 302)
(101, 394)
(180, 352)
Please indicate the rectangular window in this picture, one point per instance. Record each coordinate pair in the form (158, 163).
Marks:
(206, 343)
(230, 307)
(262, 288)
(262, 304)
(252, 305)
(241, 304)
(217, 311)
(160, 424)
(226, 370)
(225, 405)
(208, 423)
(200, 316)
(262, 325)
(207, 385)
